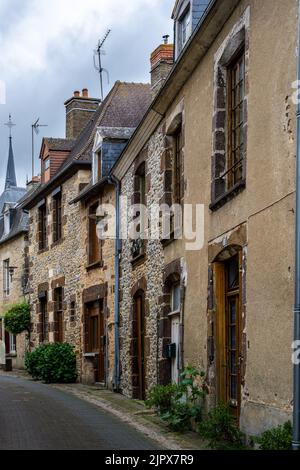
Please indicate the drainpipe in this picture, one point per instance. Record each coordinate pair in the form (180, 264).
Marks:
(116, 382)
(296, 420)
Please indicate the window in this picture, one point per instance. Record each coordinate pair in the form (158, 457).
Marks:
(12, 344)
(140, 219)
(57, 217)
(7, 222)
(47, 164)
(175, 298)
(44, 320)
(97, 166)
(42, 226)
(236, 95)
(184, 29)
(230, 119)
(178, 176)
(94, 242)
(6, 278)
(72, 311)
(59, 315)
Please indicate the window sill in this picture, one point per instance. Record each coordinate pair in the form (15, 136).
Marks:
(167, 241)
(95, 265)
(90, 355)
(228, 196)
(43, 250)
(57, 243)
(174, 314)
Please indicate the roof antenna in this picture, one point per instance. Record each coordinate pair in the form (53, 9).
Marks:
(35, 129)
(97, 57)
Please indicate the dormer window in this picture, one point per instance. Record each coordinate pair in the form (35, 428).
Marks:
(184, 29)
(47, 164)
(187, 14)
(7, 223)
(97, 166)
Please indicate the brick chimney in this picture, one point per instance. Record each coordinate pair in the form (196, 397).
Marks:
(162, 60)
(79, 110)
(35, 181)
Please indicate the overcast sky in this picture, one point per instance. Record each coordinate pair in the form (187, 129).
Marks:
(46, 52)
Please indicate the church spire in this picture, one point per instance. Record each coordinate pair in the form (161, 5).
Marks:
(11, 180)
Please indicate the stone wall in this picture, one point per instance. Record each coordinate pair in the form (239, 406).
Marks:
(59, 265)
(15, 250)
(146, 274)
(102, 274)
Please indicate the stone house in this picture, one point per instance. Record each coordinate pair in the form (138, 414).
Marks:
(71, 272)
(219, 134)
(13, 260)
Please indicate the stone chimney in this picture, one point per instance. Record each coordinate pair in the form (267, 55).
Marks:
(162, 60)
(79, 110)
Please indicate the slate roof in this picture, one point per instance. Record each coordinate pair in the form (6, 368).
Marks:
(124, 106)
(20, 219)
(11, 195)
(59, 144)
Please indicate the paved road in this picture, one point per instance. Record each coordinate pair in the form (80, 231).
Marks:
(36, 416)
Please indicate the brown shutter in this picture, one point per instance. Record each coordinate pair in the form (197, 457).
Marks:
(221, 362)
(54, 219)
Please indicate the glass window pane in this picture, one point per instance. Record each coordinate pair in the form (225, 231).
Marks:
(176, 298)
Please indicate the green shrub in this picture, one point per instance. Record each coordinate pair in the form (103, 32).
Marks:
(160, 397)
(220, 429)
(52, 363)
(179, 404)
(17, 319)
(279, 438)
(33, 361)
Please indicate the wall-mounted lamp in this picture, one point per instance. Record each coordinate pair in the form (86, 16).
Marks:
(11, 271)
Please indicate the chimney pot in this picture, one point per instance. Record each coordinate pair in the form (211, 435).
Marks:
(77, 94)
(162, 60)
(85, 93)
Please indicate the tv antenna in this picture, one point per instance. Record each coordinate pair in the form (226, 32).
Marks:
(97, 58)
(35, 129)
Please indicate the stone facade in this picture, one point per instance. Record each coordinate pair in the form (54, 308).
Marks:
(15, 250)
(98, 283)
(59, 265)
(146, 274)
(254, 223)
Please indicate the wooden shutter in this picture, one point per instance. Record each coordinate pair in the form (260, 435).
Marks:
(221, 360)
(54, 216)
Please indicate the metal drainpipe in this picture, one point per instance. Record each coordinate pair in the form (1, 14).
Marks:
(296, 420)
(117, 285)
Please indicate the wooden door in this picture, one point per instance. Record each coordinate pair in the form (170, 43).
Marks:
(96, 339)
(228, 333)
(140, 318)
(102, 352)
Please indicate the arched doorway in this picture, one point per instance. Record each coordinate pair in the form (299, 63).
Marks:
(138, 353)
(228, 294)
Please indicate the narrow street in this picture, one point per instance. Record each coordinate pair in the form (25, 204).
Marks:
(34, 416)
